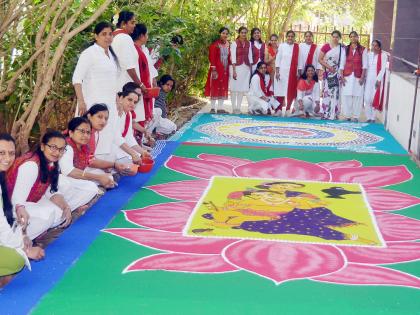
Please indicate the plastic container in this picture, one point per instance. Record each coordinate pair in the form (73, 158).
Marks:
(152, 92)
(146, 165)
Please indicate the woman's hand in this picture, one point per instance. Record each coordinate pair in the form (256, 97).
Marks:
(82, 107)
(234, 75)
(35, 253)
(106, 180)
(22, 216)
(66, 216)
(214, 75)
(377, 84)
(278, 75)
(124, 169)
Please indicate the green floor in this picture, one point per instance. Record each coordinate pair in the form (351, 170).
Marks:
(96, 284)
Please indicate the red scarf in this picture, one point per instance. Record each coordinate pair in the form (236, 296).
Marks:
(38, 189)
(119, 31)
(291, 87)
(145, 79)
(92, 141)
(80, 157)
(303, 85)
(271, 51)
(127, 124)
(378, 100)
(309, 60)
(264, 88)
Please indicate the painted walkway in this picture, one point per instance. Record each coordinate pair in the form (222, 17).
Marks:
(244, 227)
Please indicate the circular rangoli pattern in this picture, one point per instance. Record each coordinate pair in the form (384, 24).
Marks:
(289, 133)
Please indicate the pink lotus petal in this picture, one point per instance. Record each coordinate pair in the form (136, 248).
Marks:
(199, 168)
(172, 242)
(182, 190)
(339, 164)
(223, 159)
(182, 263)
(381, 199)
(398, 228)
(394, 253)
(372, 175)
(370, 275)
(170, 217)
(284, 261)
(283, 168)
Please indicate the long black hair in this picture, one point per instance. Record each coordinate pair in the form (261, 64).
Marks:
(358, 48)
(7, 204)
(261, 63)
(44, 170)
(139, 29)
(377, 41)
(255, 29)
(98, 29)
(96, 108)
(124, 16)
(304, 76)
(165, 78)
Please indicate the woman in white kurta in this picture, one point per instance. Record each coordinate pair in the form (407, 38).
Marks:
(98, 116)
(95, 81)
(375, 78)
(308, 92)
(15, 246)
(127, 101)
(33, 182)
(332, 58)
(76, 159)
(287, 60)
(308, 53)
(352, 82)
(240, 69)
(128, 58)
(260, 96)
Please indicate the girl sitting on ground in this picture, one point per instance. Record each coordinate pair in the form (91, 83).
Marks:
(161, 124)
(260, 96)
(76, 159)
(15, 245)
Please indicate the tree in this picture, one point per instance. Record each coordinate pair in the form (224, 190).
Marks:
(57, 22)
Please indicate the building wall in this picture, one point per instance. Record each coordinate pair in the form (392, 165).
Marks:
(400, 109)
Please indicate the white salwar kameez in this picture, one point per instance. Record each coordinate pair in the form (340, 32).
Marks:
(129, 139)
(239, 87)
(86, 187)
(283, 61)
(303, 56)
(371, 79)
(255, 102)
(98, 73)
(309, 99)
(352, 92)
(43, 214)
(162, 125)
(128, 58)
(9, 237)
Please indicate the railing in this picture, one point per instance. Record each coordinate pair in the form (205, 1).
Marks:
(322, 34)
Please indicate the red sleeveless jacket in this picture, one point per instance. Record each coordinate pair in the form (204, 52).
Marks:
(354, 62)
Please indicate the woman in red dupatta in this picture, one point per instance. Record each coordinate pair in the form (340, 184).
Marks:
(76, 160)
(375, 79)
(217, 84)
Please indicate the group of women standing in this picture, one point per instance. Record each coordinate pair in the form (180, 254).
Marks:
(276, 76)
(40, 189)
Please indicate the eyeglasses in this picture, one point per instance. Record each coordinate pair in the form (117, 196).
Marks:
(83, 131)
(54, 148)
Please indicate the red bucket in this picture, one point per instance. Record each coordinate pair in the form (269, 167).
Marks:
(146, 165)
(152, 92)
